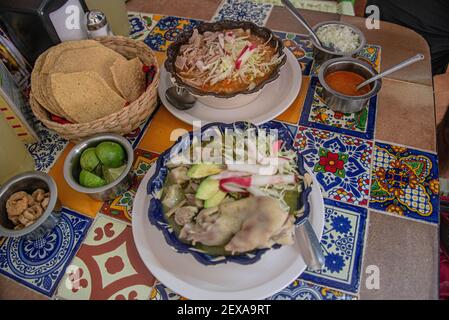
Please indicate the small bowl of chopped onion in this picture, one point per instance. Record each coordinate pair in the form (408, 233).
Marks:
(339, 39)
(225, 64)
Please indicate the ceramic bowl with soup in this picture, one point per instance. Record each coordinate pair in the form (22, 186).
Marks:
(225, 64)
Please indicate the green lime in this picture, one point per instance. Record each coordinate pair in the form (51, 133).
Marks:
(90, 180)
(111, 154)
(89, 159)
(111, 174)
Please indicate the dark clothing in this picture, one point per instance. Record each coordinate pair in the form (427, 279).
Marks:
(429, 18)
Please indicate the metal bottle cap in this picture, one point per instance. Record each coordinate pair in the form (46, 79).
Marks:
(96, 19)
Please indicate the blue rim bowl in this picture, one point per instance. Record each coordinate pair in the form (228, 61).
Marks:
(156, 183)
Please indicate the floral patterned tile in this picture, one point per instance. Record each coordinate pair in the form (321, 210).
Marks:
(40, 264)
(161, 292)
(141, 24)
(317, 114)
(371, 54)
(301, 47)
(405, 182)
(298, 290)
(107, 266)
(244, 10)
(301, 290)
(340, 163)
(167, 30)
(121, 207)
(47, 150)
(342, 244)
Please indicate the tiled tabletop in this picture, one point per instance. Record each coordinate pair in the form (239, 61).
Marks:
(381, 200)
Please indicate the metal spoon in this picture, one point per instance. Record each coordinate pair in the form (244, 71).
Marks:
(309, 245)
(180, 98)
(301, 19)
(400, 65)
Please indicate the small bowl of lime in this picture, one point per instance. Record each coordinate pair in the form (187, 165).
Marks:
(100, 166)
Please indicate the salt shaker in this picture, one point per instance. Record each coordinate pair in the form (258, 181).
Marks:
(97, 24)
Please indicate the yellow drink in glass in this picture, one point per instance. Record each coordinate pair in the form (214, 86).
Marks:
(14, 157)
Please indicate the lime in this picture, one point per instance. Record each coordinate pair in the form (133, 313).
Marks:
(89, 159)
(111, 174)
(90, 180)
(99, 170)
(111, 154)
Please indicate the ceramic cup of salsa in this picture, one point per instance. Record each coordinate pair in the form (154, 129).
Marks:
(339, 78)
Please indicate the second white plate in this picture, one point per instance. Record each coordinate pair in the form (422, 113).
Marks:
(189, 278)
(274, 99)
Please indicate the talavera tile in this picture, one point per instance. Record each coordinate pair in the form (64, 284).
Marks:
(40, 264)
(107, 266)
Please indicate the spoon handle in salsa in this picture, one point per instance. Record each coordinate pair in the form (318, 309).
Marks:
(395, 68)
(301, 19)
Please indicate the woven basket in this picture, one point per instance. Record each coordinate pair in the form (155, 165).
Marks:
(123, 121)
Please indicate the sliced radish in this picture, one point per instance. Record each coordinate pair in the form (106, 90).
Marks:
(253, 168)
(276, 146)
(229, 174)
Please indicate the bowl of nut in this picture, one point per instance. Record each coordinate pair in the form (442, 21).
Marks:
(29, 206)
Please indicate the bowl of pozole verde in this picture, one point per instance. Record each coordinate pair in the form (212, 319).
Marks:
(100, 166)
(226, 210)
(225, 64)
(340, 77)
(338, 39)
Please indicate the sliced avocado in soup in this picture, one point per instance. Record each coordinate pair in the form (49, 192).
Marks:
(202, 170)
(215, 200)
(207, 189)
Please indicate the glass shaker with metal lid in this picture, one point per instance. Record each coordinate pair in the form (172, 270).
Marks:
(97, 24)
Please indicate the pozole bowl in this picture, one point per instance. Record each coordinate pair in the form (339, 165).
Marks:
(29, 182)
(321, 54)
(228, 100)
(72, 168)
(155, 185)
(344, 103)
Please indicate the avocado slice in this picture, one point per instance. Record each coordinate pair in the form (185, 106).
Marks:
(207, 189)
(215, 200)
(202, 170)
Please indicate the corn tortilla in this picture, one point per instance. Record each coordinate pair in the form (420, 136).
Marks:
(85, 96)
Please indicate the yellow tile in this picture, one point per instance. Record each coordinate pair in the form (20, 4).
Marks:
(293, 113)
(160, 56)
(163, 125)
(70, 198)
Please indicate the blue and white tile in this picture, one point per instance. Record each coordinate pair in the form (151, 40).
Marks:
(47, 150)
(341, 163)
(140, 24)
(342, 244)
(40, 264)
(243, 10)
(301, 290)
(317, 114)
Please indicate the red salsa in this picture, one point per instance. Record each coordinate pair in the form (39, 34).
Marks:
(345, 82)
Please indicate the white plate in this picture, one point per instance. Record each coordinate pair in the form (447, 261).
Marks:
(274, 99)
(187, 277)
